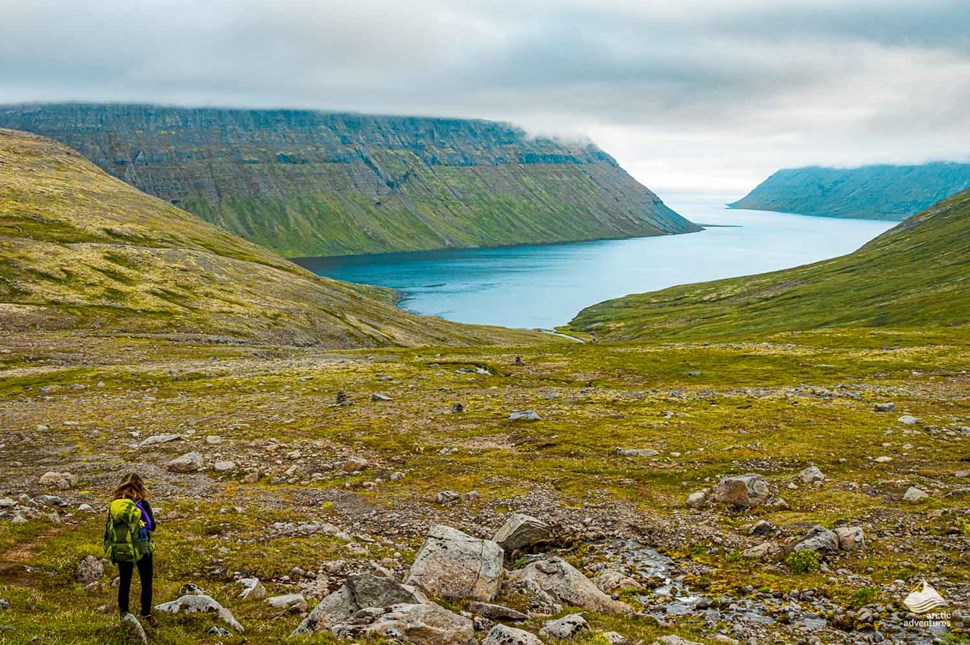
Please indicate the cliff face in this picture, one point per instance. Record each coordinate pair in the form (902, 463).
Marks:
(870, 192)
(309, 183)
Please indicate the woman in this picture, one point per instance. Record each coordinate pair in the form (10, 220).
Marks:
(133, 488)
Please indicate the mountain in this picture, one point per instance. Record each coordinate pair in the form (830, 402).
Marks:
(82, 250)
(916, 274)
(306, 183)
(870, 192)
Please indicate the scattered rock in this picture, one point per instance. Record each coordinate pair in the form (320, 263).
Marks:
(908, 420)
(565, 627)
(224, 466)
(882, 460)
(213, 440)
(673, 639)
(61, 481)
(376, 397)
(342, 398)
(518, 361)
(914, 494)
(884, 407)
(159, 438)
(525, 415)
(561, 581)
(697, 499)
(521, 531)
(215, 630)
(457, 408)
(636, 452)
(90, 569)
(763, 551)
(496, 612)
(200, 604)
(355, 464)
(742, 491)
(818, 539)
(811, 475)
(851, 538)
(615, 638)
(447, 497)
(252, 589)
(762, 527)
(130, 622)
(190, 462)
(423, 624)
(359, 592)
(453, 565)
(504, 635)
(291, 602)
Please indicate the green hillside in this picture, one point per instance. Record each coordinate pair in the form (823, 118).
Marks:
(307, 183)
(82, 250)
(869, 192)
(916, 274)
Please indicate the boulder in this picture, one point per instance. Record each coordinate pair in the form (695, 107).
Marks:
(453, 565)
(190, 462)
(851, 538)
(673, 639)
(742, 491)
(615, 638)
(252, 589)
(496, 612)
(62, 481)
(159, 438)
(525, 415)
(884, 407)
(611, 580)
(697, 499)
(130, 623)
(811, 475)
(377, 397)
(447, 497)
(355, 464)
(200, 604)
(562, 582)
(421, 624)
(359, 592)
(762, 527)
(90, 569)
(224, 466)
(565, 627)
(504, 635)
(520, 532)
(819, 539)
(914, 494)
(291, 602)
(763, 551)
(908, 420)
(635, 452)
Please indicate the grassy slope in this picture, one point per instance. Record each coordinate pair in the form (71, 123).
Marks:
(870, 192)
(916, 274)
(81, 249)
(312, 184)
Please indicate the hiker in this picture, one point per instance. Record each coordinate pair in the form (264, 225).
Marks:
(128, 541)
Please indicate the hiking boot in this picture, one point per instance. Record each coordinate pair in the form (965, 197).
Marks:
(151, 620)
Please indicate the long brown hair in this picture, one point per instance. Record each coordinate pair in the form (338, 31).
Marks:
(131, 487)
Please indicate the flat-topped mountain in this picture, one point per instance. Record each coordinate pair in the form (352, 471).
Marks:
(307, 183)
(869, 192)
(82, 250)
(916, 274)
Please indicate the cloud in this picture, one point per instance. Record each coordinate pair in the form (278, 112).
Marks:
(687, 94)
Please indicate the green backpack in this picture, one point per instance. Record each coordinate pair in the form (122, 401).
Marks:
(121, 532)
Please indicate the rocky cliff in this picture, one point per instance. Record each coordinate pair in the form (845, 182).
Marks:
(870, 192)
(307, 183)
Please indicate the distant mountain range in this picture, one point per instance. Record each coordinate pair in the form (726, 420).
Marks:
(306, 183)
(869, 192)
(914, 275)
(80, 250)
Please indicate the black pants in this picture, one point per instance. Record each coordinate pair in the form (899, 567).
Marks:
(145, 572)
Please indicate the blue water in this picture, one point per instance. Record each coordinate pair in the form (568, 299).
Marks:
(545, 286)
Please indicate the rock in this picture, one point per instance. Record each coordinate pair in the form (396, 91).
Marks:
(742, 491)
(224, 466)
(818, 539)
(496, 612)
(447, 497)
(762, 527)
(252, 589)
(914, 494)
(213, 439)
(397, 476)
(190, 462)
(504, 635)
(851, 538)
(674, 640)
(215, 630)
(85, 508)
(518, 361)
(763, 551)
(423, 624)
(962, 473)
(635, 452)
(609, 581)
(453, 565)
(200, 604)
(159, 438)
(697, 499)
(191, 589)
(359, 592)
(355, 464)
(457, 408)
(130, 623)
(521, 531)
(615, 638)
(882, 460)
(811, 475)
(7, 502)
(62, 481)
(4, 603)
(562, 582)
(376, 397)
(342, 399)
(908, 420)
(884, 407)
(291, 602)
(525, 415)
(89, 570)
(565, 627)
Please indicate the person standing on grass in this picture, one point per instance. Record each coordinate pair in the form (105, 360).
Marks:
(128, 542)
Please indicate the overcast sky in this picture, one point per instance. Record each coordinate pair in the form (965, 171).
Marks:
(689, 95)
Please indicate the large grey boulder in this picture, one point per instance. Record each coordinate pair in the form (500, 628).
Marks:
(496, 612)
(565, 627)
(291, 602)
(200, 604)
(505, 635)
(252, 588)
(423, 624)
(521, 531)
(742, 491)
(565, 583)
(818, 539)
(811, 475)
(63, 481)
(359, 592)
(454, 565)
(131, 624)
(187, 463)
